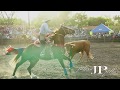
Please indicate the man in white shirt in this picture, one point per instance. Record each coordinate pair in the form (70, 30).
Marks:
(44, 30)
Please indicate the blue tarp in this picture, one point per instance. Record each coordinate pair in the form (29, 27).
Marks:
(101, 29)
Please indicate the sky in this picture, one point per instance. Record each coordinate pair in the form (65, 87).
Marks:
(32, 14)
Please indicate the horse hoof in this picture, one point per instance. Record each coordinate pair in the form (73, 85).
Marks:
(67, 77)
(34, 77)
(13, 77)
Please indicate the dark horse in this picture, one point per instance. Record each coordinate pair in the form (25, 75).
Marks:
(32, 53)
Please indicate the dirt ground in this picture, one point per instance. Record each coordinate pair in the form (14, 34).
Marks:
(105, 65)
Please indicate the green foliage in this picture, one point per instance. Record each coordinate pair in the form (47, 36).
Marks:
(19, 22)
(12, 21)
(109, 22)
(94, 21)
(5, 21)
(117, 17)
(79, 19)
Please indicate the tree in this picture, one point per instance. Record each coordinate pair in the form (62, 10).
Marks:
(7, 17)
(94, 21)
(18, 21)
(62, 17)
(80, 19)
(117, 17)
(109, 22)
(117, 22)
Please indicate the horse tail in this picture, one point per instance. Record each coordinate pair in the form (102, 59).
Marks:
(16, 58)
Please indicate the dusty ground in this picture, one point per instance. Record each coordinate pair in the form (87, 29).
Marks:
(105, 55)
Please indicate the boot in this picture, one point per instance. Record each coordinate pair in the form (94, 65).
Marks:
(37, 43)
(42, 53)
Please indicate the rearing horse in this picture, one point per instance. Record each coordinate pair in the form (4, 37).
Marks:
(32, 52)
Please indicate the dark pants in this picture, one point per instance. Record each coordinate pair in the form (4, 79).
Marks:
(42, 42)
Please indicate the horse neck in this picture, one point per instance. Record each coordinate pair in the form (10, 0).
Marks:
(59, 39)
(59, 43)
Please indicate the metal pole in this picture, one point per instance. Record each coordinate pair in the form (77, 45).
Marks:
(29, 21)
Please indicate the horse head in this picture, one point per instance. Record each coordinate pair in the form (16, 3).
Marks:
(66, 30)
(58, 35)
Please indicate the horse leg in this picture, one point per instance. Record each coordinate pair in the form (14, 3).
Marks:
(17, 65)
(71, 54)
(63, 66)
(32, 64)
(71, 64)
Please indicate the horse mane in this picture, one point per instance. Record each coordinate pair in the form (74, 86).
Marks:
(56, 30)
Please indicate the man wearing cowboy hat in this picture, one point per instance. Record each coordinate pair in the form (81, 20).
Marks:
(44, 30)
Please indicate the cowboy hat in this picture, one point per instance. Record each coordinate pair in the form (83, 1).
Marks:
(46, 20)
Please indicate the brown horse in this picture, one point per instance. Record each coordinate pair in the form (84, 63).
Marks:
(32, 53)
